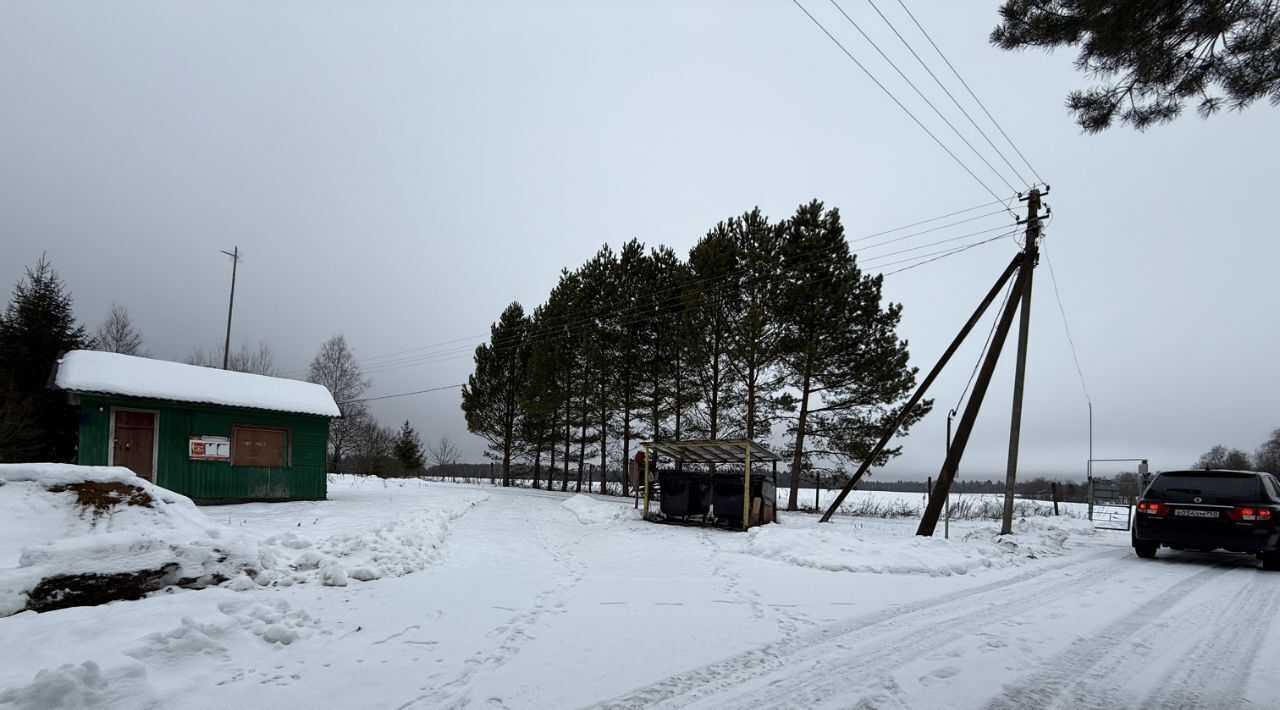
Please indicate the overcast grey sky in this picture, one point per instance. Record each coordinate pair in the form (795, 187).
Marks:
(400, 171)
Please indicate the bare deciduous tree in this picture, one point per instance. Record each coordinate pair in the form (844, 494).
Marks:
(444, 452)
(1222, 458)
(336, 368)
(117, 334)
(258, 362)
(1267, 457)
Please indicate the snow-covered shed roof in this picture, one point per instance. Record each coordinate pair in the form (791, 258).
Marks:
(113, 373)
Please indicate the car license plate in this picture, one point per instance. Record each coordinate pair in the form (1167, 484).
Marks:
(1192, 513)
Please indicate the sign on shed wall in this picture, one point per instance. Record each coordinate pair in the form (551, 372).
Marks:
(209, 448)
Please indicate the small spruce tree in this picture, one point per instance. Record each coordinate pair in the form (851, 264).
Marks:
(408, 449)
(37, 327)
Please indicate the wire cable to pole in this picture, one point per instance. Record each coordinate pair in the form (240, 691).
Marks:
(924, 98)
(947, 91)
(893, 98)
(970, 90)
(1074, 358)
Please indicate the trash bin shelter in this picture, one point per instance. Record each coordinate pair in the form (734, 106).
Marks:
(743, 498)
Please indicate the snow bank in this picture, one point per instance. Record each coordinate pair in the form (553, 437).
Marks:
(843, 549)
(87, 535)
(174, 638)
(79, 686)
(405, 544)
(113, 373)
(590, 511)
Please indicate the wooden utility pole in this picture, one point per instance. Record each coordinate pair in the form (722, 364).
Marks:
(226, 345)
(1031, 254)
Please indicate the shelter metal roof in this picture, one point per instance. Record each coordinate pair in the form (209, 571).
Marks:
(711, 450)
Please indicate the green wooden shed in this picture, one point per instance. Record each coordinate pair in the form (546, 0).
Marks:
(215, 436)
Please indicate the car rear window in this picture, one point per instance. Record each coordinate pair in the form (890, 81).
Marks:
(1210, 488)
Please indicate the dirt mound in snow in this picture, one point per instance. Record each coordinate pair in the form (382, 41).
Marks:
(102, 496)
(85, 535)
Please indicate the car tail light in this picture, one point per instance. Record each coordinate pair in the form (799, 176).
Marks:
(1244, 512)
(1153, 507)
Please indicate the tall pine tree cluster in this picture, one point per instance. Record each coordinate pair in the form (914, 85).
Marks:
(764, 329)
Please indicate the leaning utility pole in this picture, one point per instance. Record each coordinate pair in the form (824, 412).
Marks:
(1031, 252)
(226, 346)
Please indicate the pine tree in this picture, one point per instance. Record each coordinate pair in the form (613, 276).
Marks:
(491, 397)
(753, 345)
(117, 334)
(634, 279)
(543, 396)
(1163, 53)
(37, 327)
(666, 391)
(408, 449)
(711, 302)
(838, 348)
(600, 333)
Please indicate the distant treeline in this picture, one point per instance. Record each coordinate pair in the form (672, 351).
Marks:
(1039, 487)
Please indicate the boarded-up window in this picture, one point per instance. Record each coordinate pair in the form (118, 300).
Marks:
(264, 448)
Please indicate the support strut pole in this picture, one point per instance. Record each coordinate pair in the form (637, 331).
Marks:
(929, 522)
(924, 387)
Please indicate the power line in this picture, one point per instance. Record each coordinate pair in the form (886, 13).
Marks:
(970, 90)
(888, 93)
(456, 386)
(373, 361)
(1066, 327)
(573, 328)
(920, 93)
(944, 254)
(403, 394)
(715, 282)
(926, 221)
(934, 229)
(947, 91)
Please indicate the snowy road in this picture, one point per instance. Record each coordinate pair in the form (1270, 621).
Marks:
(532, 603)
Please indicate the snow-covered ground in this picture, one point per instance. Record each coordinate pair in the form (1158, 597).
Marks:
(484, 597)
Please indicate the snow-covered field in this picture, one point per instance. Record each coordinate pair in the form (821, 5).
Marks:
(484, 597)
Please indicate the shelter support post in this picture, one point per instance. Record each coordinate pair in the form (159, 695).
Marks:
(647, 455)
(746, 490)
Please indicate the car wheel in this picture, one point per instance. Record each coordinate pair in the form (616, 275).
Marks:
(1271, 561)
(1146, 550)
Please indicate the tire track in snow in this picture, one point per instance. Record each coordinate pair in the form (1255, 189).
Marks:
(1226, 653)
(862, 638)
(1068, 670)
